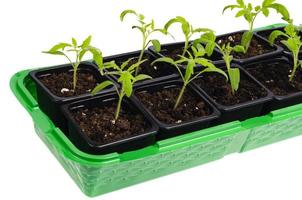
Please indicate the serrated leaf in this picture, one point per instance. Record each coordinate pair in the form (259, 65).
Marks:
(135, 65)
(281, 9)
(125, 12)
(230, 7)
(215, 69)
(189, 69)
(74, 42)
(239, 49)
(101, 86)
(265, 12)
(210, 48)
(86, 42)
(126, 80)
(240, 13)
(234, 74)
(54, 52)
(164, 59)
(274, 35)
(59, 46)
(156, 45)
(266, 3)
(97, 56)
(240, 3)
(141, 77)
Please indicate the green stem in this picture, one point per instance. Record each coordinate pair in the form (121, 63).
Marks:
(186, 46)
(141, 55)
(118, 108)
(292, 76)
(75, 77)
(180, 96)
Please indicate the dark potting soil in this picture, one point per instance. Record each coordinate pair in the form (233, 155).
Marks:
(216, 86)
(275, 76)
(99, 125)
(257, 47)
(161, 104)
(155, 71)
(61, 84)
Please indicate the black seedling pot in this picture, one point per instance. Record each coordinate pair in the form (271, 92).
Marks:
(86, 144)
(158, 72)
(49, 102)
(167, 49)
(240, 111)
(171, 130)
(276, 50)
(266, 33)
(278, 101)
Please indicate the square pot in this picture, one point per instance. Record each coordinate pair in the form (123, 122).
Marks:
(170, 130)
(86, 144)
(275, 50)
(49, 102)
(241, 111)
(278, 100)
(159, 72)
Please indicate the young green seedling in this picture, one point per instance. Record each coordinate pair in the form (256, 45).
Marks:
(63, 49)
(225, 50)
(293, 43)
(250, 13)
(126, 79)
(191, 62)
(187, 30)
(146, 29)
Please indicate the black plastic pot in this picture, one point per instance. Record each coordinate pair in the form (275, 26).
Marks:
(158, 72)
(216, 57)
(277, 51)
(243, 110)
(266, 33)
(49, 102)
(171, 130)
(278, 101)
(84, 143)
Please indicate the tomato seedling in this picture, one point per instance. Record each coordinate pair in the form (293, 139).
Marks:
(250, 13)
(126, 79)
(63, 49)
(191, 61)
(146, 29)
(293, 43)
(226, 51)
(187, 30)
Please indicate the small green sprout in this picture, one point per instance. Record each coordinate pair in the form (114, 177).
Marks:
(126, 79)
(293, 43)
(63, 49)
(146, 29)
(187, 30)
(250, 14)
(226, 50)
(199, 51)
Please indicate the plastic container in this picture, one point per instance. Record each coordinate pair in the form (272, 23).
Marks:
(84, 143)
(99, 174)
(49, 102)
(277, 50)
(171, 130)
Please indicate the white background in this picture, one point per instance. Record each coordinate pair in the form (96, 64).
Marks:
(29, 171)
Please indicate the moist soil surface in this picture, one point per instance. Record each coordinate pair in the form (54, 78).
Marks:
(161, 103)
(216, 86)
(61, 84)
(275, 76)
(99, 125)
(257, 47)
(155, 71)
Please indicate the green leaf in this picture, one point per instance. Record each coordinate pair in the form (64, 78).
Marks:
(101, 86)
(141, 77)
(86, 42)
(198, 50)
(246, 39)
(265, 12)
(54, 52)
(280, 9)
(257, 8)
(97, 56)
(230, 7)
(74, 42)
(234, 74)
(164, 59)
(125, 12)
(274, 35)
(189, 69)
(135, 65)
(156, 45)
(200, 30)
(266, 3)
(126, 80)
(210, 48)
(240, 13)
(240, 3)
(208, 37)
(217, 70)
(239, 49)
(60, 46)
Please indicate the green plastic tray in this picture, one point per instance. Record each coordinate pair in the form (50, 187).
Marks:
(99, 174)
